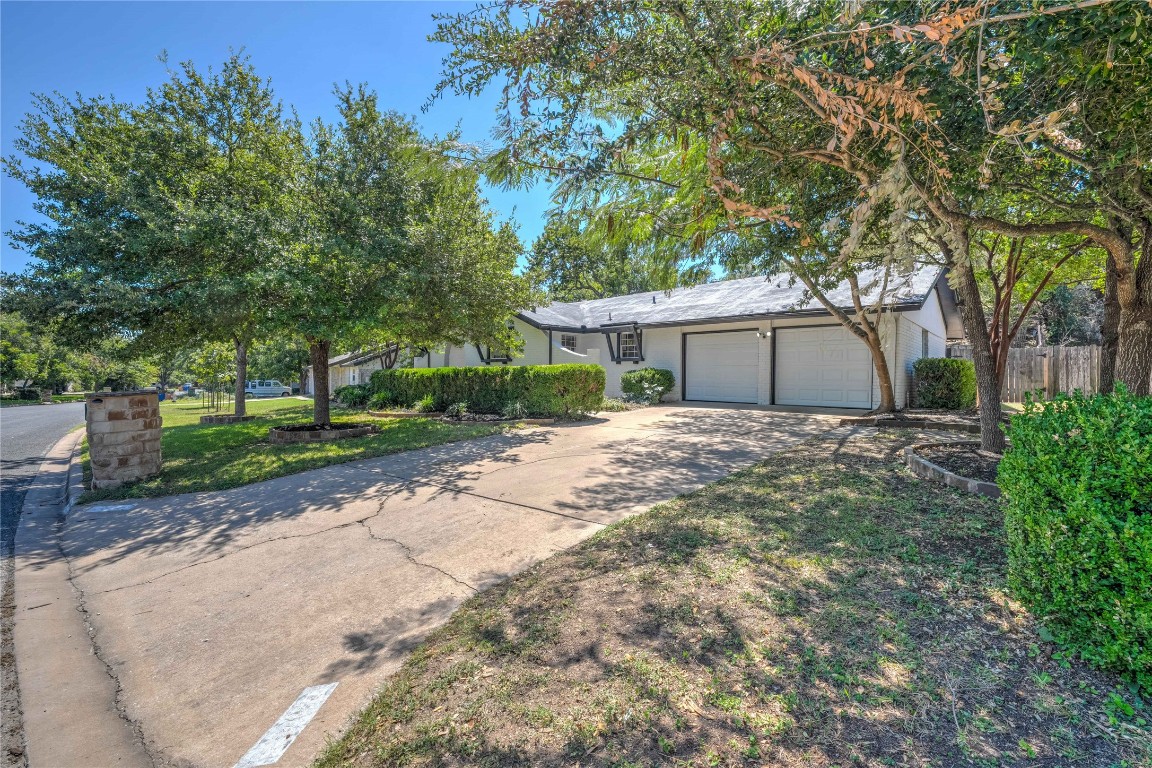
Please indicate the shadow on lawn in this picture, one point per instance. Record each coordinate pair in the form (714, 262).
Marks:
(833, 611)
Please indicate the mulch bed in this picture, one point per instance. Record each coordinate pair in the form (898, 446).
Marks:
(484, 417)
(964, 460)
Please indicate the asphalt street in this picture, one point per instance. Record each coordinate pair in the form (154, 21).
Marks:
(26, 433)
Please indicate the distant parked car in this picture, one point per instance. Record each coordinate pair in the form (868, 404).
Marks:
(266, 388)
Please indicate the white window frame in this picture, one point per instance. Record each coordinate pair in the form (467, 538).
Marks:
(568, 341)
(629, 346)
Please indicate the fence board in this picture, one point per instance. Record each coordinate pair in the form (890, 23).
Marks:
(1048, 369)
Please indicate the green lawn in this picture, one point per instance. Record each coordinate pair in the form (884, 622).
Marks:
(207, 458)
(823, 609)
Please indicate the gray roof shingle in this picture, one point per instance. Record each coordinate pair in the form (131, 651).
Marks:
(778, 294)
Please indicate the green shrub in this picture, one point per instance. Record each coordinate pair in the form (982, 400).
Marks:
(426, 404)
(944, 382)
(381, 400)
(1077, 483)
(354, 395)
(613, 405)
(69, 397)
(544, 390)
(456, 410)
(647, 385)
(514, 410)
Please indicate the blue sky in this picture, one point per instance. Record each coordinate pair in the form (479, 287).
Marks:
(111, 48)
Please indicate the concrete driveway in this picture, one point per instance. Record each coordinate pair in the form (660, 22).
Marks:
(215, 612)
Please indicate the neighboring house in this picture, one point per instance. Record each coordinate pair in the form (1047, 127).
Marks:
(755, 340)
(353, 368)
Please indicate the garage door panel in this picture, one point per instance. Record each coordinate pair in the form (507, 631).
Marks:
(826, 367)
(722, 367)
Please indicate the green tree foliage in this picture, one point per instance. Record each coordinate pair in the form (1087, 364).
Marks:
(284, 358)
(1078, 484)
(396, 243)
(1067, 316)
(161, 216)
(18, 356)
(643, 115)
(571, 264)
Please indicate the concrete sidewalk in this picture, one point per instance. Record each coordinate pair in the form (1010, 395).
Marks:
(214, 612)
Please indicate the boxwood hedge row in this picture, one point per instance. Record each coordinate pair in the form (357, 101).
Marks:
(1077, 484)
(542, 390)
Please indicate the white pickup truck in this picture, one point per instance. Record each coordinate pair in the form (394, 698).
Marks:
(266, 388)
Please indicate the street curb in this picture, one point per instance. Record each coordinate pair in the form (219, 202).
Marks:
(67, 693)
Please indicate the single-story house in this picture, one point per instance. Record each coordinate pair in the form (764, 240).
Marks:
(354, 368)
(753, 340)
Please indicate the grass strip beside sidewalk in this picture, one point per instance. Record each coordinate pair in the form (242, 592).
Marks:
(214, 457)
(826, 608)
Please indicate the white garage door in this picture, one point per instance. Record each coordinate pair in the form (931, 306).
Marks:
(722, 367)
(826, 367)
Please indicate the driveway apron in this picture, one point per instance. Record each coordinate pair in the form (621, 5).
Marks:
(227, 617)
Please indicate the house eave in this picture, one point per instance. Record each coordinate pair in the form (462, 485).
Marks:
(907, 306)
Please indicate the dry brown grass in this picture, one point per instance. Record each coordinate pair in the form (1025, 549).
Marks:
(824, 609)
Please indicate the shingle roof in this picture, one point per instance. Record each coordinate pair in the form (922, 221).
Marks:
(778, 294)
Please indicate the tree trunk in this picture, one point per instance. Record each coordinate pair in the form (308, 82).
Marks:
(884, 379)
(318, 352)
(883, 375)
(304, 380)
(1109, 327)
(1134, 348)
(241, 376)
(1134, 335)
(976, 329)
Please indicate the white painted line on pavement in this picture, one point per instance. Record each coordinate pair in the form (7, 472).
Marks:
(111, 508)
(276, 740)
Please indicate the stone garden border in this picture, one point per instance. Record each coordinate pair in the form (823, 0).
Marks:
(278, 436)
(926, 470)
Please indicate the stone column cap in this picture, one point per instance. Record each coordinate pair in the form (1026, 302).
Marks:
(125, 393)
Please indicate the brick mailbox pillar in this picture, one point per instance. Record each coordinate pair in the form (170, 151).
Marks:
(123, 437)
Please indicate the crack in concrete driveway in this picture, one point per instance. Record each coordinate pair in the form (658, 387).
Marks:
(215, 610)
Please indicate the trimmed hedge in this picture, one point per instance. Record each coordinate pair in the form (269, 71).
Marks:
(647, 385)
(1078, 513)
(544, 390)
(944, 382)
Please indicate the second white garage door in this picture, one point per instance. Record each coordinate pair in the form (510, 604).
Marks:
(722, 367)
(826, 367)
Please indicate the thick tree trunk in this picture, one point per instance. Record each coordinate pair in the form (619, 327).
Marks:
(1109, 327)
(318, 352)
(976, 329)
(1134, 349)
(241, 376)
(1134, 335)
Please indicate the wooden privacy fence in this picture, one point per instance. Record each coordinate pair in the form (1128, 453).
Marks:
(1051, 369)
